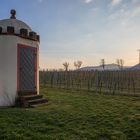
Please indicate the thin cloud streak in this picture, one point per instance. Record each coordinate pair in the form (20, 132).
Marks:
(88, 1)
(116, 2)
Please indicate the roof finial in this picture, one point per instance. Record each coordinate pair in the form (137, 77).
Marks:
(13, 14)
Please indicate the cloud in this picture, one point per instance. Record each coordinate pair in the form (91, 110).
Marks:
(136, 12)
(119, 14)
(88, 1)
(134, 1)
(116, 2)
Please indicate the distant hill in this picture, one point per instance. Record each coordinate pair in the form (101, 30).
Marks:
(108, 67)
(136, 67)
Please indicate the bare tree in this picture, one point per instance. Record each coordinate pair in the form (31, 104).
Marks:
(78, 64)
(103, 63)
(120, 63)
(66, 66)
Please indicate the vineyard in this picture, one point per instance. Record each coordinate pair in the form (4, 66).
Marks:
(107, 82)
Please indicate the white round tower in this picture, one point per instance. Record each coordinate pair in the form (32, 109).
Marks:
(19, 67)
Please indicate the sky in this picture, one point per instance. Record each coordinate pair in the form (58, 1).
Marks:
(85, 30)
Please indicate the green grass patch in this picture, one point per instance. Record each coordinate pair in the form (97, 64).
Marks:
(74, 115)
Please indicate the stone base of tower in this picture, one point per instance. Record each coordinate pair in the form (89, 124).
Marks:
(31, 99)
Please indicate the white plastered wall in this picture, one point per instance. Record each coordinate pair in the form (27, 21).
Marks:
(8, 67)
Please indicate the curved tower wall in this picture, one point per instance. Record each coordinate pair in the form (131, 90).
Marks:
(9, 65)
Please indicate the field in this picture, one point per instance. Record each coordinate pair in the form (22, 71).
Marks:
(74, 115)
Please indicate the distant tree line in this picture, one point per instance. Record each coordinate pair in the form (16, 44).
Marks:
(77, 65)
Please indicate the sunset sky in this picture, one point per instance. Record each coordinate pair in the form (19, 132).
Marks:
(86, 30)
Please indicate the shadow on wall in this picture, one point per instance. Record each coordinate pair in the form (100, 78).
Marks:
(6, 99)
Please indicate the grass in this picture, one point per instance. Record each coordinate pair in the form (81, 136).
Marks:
(73, 115)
